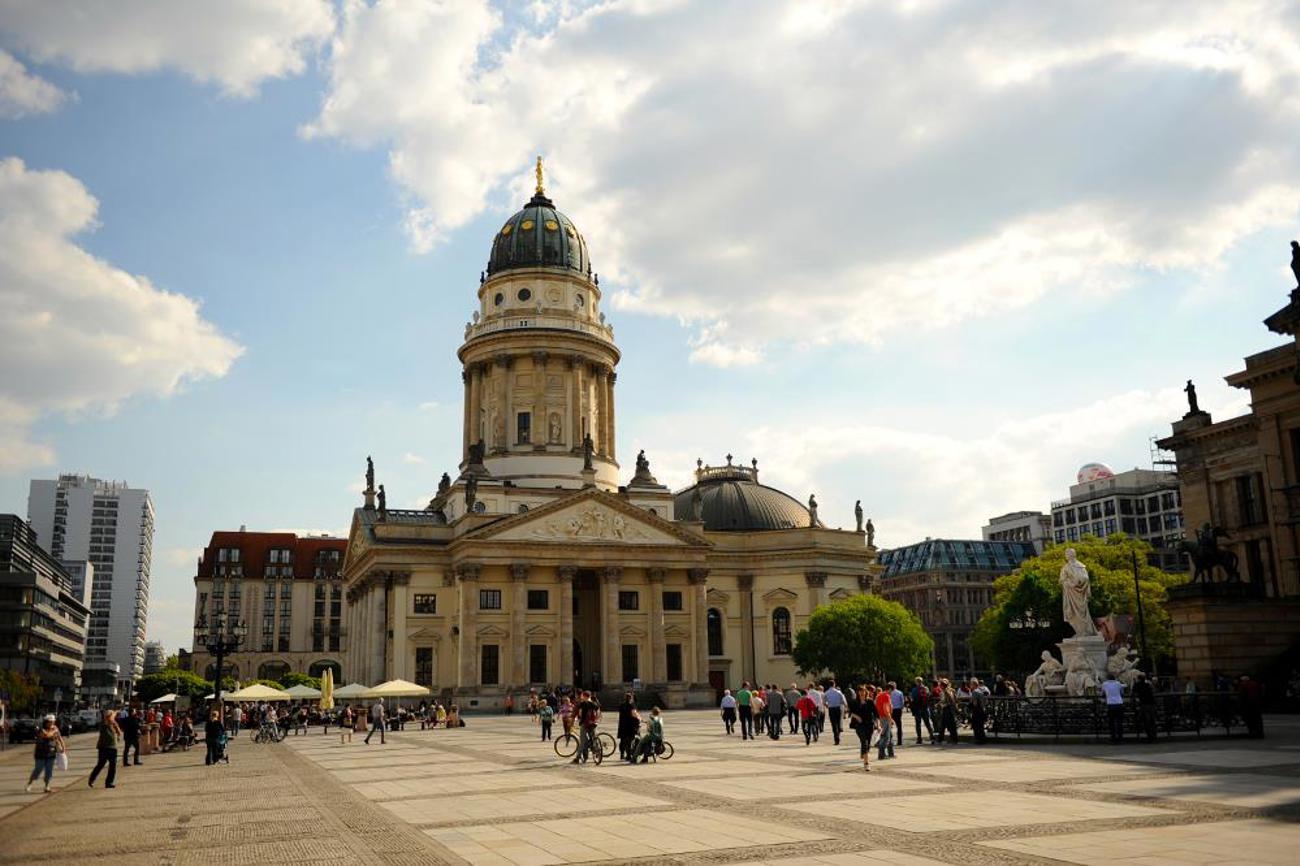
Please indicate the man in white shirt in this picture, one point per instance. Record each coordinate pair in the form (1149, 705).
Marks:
(835, 709)
(377, 717)
(1113, 689)
(818, 698)
(896, 702)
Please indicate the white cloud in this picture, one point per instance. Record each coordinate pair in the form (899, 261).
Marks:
(844, 172)
(235, 43)
(22, 93)
(413, 459)
(428, 406)
(79, 334)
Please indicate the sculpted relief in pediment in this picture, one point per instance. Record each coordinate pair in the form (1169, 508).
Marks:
(592, 523)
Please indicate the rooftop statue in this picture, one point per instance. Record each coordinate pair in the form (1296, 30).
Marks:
(1295, 262)
(383, 503)
(476, 453)
(812, 510)
(444, 484)
(1076, 589)
(370, 473)
(1192, 407)
(857, 513)
(588, 449)
(642, 464)
(871, 533)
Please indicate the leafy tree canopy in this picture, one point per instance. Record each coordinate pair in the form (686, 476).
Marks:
(294, 678)
(173, 663)
(153, 686)
(864, 637)
(1026, 617)
(24, 690)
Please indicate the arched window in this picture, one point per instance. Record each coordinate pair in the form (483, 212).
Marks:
(317, 669)
(781, 642)
(715, 631)
(272, 670)
(210, 673)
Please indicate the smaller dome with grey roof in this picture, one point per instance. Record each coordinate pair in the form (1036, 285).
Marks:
(732, 500)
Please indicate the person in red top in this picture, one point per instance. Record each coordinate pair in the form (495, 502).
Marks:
(885, 712)
(808, 713)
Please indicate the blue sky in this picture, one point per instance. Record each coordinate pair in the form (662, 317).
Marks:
(932, 278)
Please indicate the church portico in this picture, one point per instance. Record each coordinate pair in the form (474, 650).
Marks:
(538, 564)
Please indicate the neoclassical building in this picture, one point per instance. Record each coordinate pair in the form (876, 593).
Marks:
(540, 563)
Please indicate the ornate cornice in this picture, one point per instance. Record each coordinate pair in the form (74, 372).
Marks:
(567, 573)
(815, 579)
(613, 573)
(467, 571)
(697, 575)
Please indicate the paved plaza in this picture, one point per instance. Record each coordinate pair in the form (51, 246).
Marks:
(491, 795)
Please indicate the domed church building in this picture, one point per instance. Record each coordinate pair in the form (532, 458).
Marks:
(545, 563)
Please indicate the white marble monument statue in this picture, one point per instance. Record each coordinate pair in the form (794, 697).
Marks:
(1076, 589)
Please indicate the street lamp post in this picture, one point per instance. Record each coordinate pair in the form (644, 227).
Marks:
(221, 639)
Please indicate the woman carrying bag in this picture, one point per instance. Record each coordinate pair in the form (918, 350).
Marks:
(862, 718)
(50, 749)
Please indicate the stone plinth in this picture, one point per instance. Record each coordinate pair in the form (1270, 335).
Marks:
(1225, 629)
(1092, 648)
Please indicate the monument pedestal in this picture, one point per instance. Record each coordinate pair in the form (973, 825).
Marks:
(1229, 629)
(1091, 648)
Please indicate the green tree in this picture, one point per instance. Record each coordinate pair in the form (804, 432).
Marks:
(24, 690)
(1026, 619)
(863, 636)
(293, 678)
(173, 663)
(153, 686)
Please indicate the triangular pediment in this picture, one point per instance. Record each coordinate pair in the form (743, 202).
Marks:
(491, 631)
(717, 596)
(676, 631)
(539, 631)
(589, 517)
(631, 631)
(842, 593)
(780, 594)
(423, 633)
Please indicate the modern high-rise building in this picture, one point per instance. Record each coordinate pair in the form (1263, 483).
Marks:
(155, 657)
(948, 584)
(42, 624)
(287, 589)
(109, 524)
(1032, 526)
(1141, 502)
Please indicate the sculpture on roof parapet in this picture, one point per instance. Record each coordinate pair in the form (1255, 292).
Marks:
(812, 510)
(871, 533)
(383, 503)
(370, 474)
(1295, 262)
(857, 513)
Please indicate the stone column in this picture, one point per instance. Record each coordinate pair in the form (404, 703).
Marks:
(576, 366)
(367, 621)
(538, 430)
(401, 589)
(380, 643)
(816, 581)
(699, 612)
(566, 574)
(610, 668)
(506, 402)
(747, 638)
(467, 379)
(598, 410)
(467, 645)
(609, 412)
(658, 654)
(518, 640)
(475, 405)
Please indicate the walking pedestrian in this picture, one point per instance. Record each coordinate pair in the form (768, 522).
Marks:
(947, 712)
(885, 719)
(862, 719)
(759, 702)
(979, 694)
(775, 712)
(745, 709)
(806, 707)
(920, 703)
(49, 743)
(377, 718)
(546, 716)
(1113, 689)
(896, 701)
(792, 696)
(835, 703)
(212, 733)
(728, 711)
(110, 734)
(131, 736)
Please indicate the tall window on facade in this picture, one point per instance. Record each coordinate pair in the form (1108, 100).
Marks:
(539, 599)
(537, 663)
(1250, 505)
(781, 643)
(489, 599)
(489, 664)
(674, 658)
(630, 662)
(525, 426)
(424, 666)
(715, 631)
(672, 600)
(629, 600)
(426, 602)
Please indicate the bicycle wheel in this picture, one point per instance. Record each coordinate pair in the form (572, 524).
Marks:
(608, 745)
(566, 746)
(597, 754)
(665, 751)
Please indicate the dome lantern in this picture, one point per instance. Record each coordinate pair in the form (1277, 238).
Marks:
(539, 236)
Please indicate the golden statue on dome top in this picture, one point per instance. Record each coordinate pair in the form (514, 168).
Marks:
(541, 189)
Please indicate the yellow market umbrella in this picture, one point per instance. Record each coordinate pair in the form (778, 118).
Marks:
(327, 690)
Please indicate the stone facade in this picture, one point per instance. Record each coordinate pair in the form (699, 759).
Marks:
(536, 566)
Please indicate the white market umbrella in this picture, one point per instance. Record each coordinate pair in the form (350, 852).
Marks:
(258, 692)
(399, 689)
(352, 691)
(165, 699)
(303, 692)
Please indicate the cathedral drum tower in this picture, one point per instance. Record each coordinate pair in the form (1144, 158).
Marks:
(539, 359)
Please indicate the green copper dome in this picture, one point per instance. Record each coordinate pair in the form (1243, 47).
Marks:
(539, 236)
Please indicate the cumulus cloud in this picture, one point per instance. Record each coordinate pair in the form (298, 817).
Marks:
(235, 43)
(22, 93)
(79, 334)
(838, 172)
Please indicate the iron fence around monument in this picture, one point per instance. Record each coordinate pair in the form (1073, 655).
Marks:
(1059, 716)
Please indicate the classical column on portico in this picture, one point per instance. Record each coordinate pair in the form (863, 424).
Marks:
(505, 402)
(577, 365)
(538, 430)
(379, 641)
(566, 574)
(699, 613)
(475, 407)
(518, 640)
(816, 581)
(610, 669)
(467, 645)
(658, 654)
(745, 583)
(599, 413)
(400, 587)
(466, 378)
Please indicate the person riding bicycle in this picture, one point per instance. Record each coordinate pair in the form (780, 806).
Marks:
(653, 739)
(588, 718)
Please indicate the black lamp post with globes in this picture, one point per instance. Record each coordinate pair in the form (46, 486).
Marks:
(222, 638)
